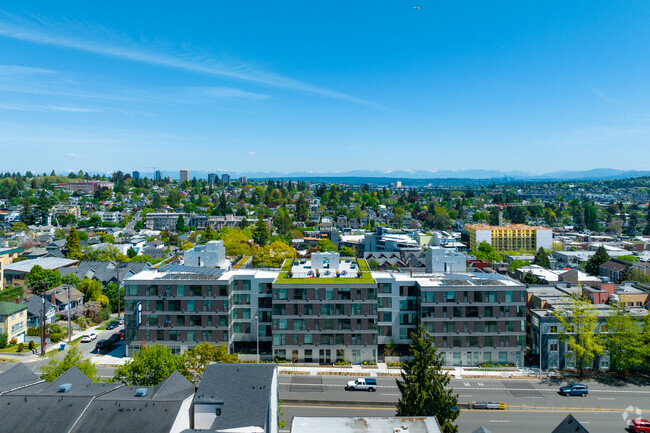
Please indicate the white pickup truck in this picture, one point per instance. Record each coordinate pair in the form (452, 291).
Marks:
(362, 385)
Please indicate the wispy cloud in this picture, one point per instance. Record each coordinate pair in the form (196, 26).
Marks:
(75, 155)
(36, 107)
(98, 40)
(601, 95)
(251, 153)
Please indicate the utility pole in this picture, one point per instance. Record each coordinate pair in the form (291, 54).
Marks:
(43, 327)
(118, 289)
(69, 314)
(257, 337)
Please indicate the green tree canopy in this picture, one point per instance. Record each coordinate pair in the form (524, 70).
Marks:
(196, 359)
(541, 259)
(624, 340)
(73, 358)
(423, 383)
(593, 264)
(73, 245)
(41, 279)
(579, 321)
(149, 367)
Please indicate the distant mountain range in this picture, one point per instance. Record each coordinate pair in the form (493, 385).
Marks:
(423, 176)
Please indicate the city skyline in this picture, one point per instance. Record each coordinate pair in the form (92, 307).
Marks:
(324, 87)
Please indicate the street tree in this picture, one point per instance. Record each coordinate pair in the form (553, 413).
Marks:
(73, 358)
(624, 340)
(196, 359)
(41, 280)
(261, 232)
(579, 322)
(423, 384)
(150, 366)
(180, 224)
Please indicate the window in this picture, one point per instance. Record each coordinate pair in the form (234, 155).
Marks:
(603, 328)
(553, 347)
(553, 329)
(180, 290)
(308, 339)
(510, 296)
(191, 306)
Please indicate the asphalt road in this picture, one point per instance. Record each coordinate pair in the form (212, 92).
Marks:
(532, 405)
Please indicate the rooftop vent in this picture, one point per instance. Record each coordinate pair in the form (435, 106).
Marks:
(65, 387)
(141, 392)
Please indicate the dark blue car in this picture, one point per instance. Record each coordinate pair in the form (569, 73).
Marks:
(575, 389)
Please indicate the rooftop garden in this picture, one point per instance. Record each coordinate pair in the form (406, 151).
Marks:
(363, 276)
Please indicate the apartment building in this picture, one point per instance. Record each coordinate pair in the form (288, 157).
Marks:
(184, 175)
(545, 331)
(514, 237)
(86, 186)
(164, 220)
(327, 309)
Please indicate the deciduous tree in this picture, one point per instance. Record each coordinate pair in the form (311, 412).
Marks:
(149, 367)
(73, 358)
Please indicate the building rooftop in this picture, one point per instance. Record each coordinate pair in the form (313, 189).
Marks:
(9, 308)
(45, 262)
(243, 390)
(303, 272)
(506, 227)
(410, 424)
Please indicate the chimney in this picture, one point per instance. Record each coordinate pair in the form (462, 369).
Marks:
(17, 300)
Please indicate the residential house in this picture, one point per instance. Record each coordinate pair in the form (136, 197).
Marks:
(13, 320)
(35, 311)
(7, 255)
(65, 297)
(221, 403)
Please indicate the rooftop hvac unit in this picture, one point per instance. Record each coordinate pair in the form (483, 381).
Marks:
(141, 392)
(65, 387)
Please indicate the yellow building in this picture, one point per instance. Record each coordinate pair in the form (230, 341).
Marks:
(7, 255)
(514, 237)
(13, 321)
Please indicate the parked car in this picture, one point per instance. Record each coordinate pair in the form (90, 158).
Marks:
(101, 344)
(489, 405)
(362, 385)
(120, 321)
(639, 425)
(575, 389)
(112, 325)
(114, 339)
(88, 337)
(120, 334)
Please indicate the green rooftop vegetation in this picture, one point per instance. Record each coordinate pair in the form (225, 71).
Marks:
(286, 278)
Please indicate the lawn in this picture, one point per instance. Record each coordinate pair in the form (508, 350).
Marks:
(366, 276)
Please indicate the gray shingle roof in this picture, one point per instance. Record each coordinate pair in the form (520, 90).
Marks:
(570, 425)
(237, 386)
(17, 376)
(35, 305)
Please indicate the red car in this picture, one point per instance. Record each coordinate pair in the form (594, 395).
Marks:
(640, 425)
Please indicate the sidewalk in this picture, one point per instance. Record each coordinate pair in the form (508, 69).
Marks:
(381, 369)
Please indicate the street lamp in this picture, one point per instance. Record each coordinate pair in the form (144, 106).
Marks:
(257, 338)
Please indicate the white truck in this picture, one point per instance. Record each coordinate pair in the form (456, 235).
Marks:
(362, 385)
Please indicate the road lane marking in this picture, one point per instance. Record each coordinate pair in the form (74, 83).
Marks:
(499, 420)
(466, 383)
(339, 407)
(389, 394)
(606, 398)
(480, 384)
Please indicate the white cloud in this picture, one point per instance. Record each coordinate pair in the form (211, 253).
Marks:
(75, 155)
(95, 39)
(251, 153)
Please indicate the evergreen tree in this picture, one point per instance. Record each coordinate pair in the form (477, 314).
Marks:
(423, 383)
(541, 259)
(302, 210)
(26, 214)
(157, 201)
(180, 224)
(261, 232)
(73, 245)
(593, 264)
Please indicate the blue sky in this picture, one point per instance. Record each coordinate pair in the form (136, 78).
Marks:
(324, 86)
